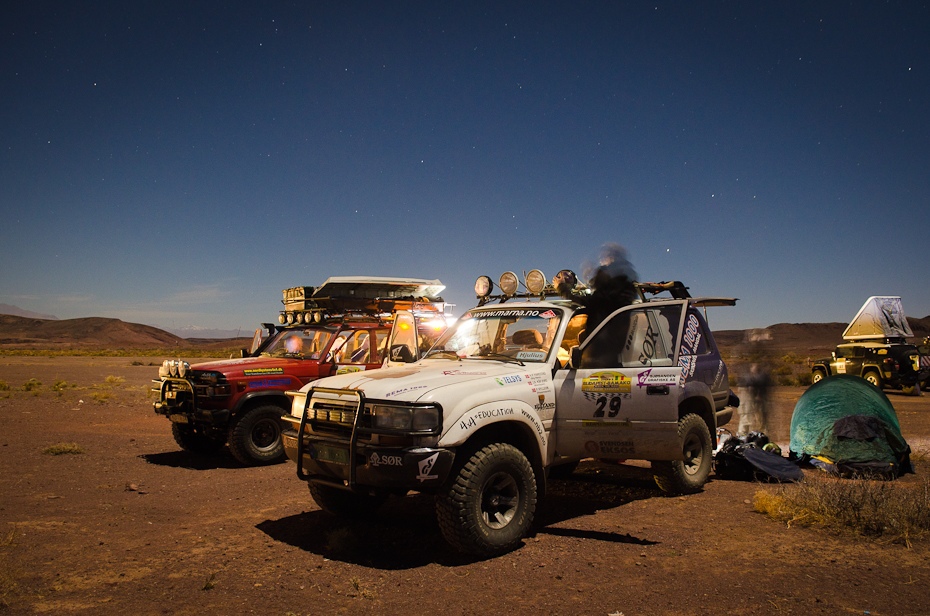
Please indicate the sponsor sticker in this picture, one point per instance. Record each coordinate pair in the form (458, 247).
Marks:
(404, 390)
(610, 448)
(426, 466)
(348, 369)
(646, 378)
(261, 371)
(376, 459)
(266, 383)
(510, 379)
(607, 382)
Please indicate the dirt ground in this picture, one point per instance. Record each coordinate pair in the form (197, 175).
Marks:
(133, 525)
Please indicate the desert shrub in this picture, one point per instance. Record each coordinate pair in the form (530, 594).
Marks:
(4, 386)
(101, 397)
(897, 511)
(61, 385)
(32, 385)
(59, 449)
(114, 380)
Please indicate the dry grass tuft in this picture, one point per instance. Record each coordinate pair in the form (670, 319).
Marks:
(882, 509)
(59, 449)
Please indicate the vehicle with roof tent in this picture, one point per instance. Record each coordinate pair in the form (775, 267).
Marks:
(876, 348)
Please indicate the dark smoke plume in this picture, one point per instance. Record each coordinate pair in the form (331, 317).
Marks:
(610, 282)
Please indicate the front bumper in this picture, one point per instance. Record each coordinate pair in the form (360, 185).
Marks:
(336, 462)
(177, 402)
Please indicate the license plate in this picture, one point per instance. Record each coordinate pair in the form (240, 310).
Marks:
(325, 453)
(178, 418)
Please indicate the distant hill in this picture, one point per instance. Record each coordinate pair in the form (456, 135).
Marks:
(87, 333)
(813, 340)
(16, 311)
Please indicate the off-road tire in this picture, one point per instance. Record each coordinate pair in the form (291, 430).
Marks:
(193, 440)
(345, 504)
(817, 376)
(873, 377)
(911, 390)
(689, 475)
(489, 504)
(255, 437)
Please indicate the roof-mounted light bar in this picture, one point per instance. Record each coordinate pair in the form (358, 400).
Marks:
(534, 284)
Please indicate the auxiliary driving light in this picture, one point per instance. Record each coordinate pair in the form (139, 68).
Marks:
(483, 286)
(535, 281)
(508, 283)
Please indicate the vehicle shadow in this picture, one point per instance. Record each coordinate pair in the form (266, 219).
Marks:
(192, 461)
(593, 487)
(404, 534)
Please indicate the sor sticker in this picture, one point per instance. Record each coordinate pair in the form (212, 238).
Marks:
(607, 382)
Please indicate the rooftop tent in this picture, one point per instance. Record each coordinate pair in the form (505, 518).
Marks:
(848, 426)
(879, 318)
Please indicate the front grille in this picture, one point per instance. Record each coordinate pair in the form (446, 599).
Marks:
(333, 411)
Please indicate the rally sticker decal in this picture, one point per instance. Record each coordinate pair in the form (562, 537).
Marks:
(607, 382)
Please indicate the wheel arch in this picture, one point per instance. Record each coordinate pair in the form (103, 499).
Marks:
(260, 398)
(703, 408)
(515, 433)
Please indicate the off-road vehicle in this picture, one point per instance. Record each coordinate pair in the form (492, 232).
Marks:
(877, 349)
(515, 388)
(342, 326)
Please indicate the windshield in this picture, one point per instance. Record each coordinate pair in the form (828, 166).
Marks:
(303, 343)
(522, 334)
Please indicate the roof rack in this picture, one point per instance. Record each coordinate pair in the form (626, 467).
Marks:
(359, 296)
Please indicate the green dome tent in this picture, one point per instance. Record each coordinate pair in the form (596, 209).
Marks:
(847, 426)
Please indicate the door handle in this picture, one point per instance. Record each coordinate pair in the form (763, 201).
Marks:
(657, 390)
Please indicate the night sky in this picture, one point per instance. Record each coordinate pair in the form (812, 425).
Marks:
(180, 163)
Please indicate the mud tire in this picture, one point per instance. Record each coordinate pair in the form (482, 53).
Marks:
(817, 376)
(255, 437)
(689, 475)
(194, 440)
(873, 377)
(489, 504)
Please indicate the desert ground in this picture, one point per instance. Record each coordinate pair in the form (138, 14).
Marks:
(133, 525)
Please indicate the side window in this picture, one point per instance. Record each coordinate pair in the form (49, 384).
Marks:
(572, 337)
(404, 340)
(634, 338)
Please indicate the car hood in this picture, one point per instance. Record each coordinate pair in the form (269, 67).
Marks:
(419, 382)
(249, 366)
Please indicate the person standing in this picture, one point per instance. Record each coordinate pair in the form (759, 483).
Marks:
(754, 395)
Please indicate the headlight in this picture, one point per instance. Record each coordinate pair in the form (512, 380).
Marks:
(298, 403)
(164, 370)
(404, 418)
(173, 367)
(184, 369)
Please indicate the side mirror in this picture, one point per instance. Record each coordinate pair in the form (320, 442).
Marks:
(243, 353)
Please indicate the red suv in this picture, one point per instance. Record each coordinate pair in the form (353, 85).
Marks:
(342, 326)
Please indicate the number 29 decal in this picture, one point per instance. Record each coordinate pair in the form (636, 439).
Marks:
(612, 405)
